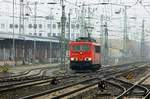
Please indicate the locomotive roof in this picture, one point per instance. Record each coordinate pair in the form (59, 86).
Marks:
(85, 39)
(83, 42)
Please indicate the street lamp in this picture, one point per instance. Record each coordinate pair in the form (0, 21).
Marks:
(14, 52)
(62, 38)
(51, 18)
(69, 22)
(35, 26)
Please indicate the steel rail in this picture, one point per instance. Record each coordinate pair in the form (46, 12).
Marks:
(134, 85)
(117, 85)
(52, 90)
(114, 72)
(34, 83)
(35, 80)
(56, 89)
(140, 86)
(147, 95)
(26, 81)
(24, 77)
(20, 77)
(82, 88)
(11, 78)
(21, 74)
(77, 90)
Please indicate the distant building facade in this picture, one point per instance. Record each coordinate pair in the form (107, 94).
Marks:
(44, 27)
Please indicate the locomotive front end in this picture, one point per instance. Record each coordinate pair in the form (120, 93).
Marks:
(80, 56)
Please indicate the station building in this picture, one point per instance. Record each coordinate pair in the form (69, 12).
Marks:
(41, 39)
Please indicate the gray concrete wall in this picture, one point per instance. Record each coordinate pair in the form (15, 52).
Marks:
(24, 50)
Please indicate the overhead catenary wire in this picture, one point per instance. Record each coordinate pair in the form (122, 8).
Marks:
(74, 4)
(145, 8)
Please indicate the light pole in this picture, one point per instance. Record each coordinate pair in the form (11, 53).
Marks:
(14, 53)
(51, 18)
(23, 35)
(125, 35)
(21, 29)
(20, 16)
(69, 22)
(106, 44)
(82, 31)
(62, 39)
(101, 35)
(35, 26)
(142, 39)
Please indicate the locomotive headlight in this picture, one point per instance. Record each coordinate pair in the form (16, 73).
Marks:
(76, 59)
(88, 59)
(72, 59)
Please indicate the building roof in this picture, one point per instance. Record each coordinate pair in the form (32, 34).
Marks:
(4, 35)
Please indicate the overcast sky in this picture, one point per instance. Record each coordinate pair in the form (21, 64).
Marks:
(138, 9)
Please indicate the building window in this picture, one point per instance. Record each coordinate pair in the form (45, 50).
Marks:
(54, 26)
(49, 34)
(54, 34)
(40, 26)
(34, 33)
(16, 25)
(2, 26)
(10, 25)
(30, 26)
(35, 26)
(72, 26)
(21, 25)
(48, 25)
(40, 34)
(77, 26)
(59, 25)
(58, 34)
(47, 17)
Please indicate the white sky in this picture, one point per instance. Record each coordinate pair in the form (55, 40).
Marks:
(115, 24)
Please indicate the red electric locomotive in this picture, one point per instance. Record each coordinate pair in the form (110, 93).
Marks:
(85, 54)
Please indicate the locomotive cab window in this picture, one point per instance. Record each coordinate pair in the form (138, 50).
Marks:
(76, 48)
(80, 48)
(97, 49)
(85, 48)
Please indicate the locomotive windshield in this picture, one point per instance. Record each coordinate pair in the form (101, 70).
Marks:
(81, 48)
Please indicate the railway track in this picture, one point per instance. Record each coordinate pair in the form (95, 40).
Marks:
(34, 77)
(75, 87)
(22, 81)
(36, 87)
(24, 76)
(130, 89)
(20, 74)
(27, 75)
(66, 90)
